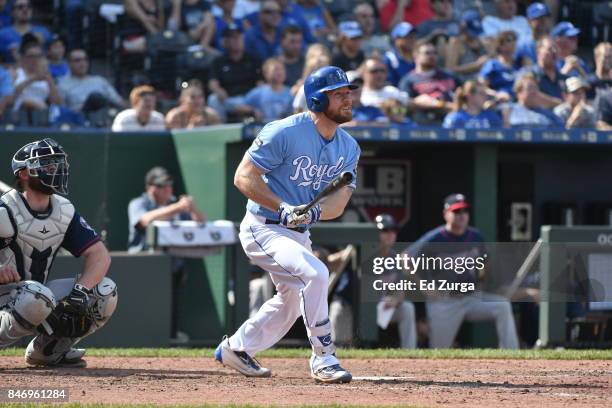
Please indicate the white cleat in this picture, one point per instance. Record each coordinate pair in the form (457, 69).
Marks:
(72, 359)
(239, 361)
(332, 375)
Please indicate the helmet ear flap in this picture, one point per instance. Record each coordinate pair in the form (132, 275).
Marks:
(320, 101)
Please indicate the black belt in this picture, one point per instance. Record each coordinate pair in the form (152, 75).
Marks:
(296, 229)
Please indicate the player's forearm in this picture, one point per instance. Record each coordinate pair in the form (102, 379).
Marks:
(254, 188)
(97, 262)
(333, 206)
(162, 213)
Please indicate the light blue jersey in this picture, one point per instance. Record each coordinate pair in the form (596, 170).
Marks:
(298, 162)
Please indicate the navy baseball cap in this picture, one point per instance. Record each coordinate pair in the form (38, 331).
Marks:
(537, 10)
(230, 29)
(472, 22)
(565, 29)
(455, 202)
(402, 30)
(351, 29)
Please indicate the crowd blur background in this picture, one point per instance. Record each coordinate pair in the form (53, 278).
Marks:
(168, 64)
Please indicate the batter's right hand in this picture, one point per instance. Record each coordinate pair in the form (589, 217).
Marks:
(8, 275)
(284, 214)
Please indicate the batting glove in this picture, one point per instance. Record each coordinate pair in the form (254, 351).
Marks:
(309, 217)
(284, 212)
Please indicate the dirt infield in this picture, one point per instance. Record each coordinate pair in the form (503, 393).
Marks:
(462, 383)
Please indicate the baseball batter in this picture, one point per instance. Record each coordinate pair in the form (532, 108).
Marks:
(35, 221)
(289, 162)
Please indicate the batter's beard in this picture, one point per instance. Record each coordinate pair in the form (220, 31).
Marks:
(338, 117)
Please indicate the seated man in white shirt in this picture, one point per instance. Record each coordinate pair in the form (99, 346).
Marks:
(375, 89)
(505, 20)
(142, 115)
(83, 92)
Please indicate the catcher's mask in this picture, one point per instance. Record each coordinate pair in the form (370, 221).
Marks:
(46, 162)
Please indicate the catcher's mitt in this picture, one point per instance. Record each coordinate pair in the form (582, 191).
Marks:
(71, 317)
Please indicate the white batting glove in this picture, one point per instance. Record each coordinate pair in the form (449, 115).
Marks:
(309, 217)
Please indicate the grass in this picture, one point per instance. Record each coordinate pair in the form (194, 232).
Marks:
(355, 353)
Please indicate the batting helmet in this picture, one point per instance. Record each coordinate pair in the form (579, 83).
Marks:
(323, 80)
(386, 222)
(46, 160)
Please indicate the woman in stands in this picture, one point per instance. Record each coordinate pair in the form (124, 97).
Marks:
(34, 86)
(192, 110)
(469, 112)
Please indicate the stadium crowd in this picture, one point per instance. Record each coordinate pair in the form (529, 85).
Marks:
(191, 63)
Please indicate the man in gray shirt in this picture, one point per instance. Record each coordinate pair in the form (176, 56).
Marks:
(83, 92)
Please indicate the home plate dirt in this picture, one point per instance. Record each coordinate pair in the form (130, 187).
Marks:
(461, 383)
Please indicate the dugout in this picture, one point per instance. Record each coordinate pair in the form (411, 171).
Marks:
(517, 181)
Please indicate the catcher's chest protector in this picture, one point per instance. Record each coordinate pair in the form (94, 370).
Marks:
(38, 238)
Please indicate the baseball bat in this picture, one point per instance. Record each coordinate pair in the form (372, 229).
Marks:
(344, 179)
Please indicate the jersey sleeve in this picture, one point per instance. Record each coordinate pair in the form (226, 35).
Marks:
(351, 164)
(486, 72)
(79, 236)
(268, 149)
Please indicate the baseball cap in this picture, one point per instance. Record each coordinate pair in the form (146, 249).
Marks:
(351, 29)
(575, 83)
(354, 77)
(158, 176)
(565, 29)
(230, 29)
(401, 30)
(537, 10)
(470, 19)
(455, 202)
(385, 222)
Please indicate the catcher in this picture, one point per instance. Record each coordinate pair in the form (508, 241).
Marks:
(34, 223)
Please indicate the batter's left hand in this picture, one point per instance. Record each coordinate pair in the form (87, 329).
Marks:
(309, 217)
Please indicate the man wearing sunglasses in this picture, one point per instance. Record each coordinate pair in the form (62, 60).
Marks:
(455, 242)
(35, 222)
(10, 37)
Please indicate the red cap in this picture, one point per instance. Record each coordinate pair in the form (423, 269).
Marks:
(455, 202)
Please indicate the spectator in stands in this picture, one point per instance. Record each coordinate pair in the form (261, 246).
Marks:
(530, 109)
(372, 41)
(429, 87)
(550, 80)
(466, 53)
(392, 12)
(143, 17)
(292, 44)
(349, 55)
(482, 7)
(6, 7)
(222, 20)
(245, 8)
(575, 112)
(400, 60)
(232, 74)
(603, 105)
(566, 39)
(507, 20)
(74, 12)
(540, 22)
(602, 77)
(498, 73)
(375, 88)
(264, 37)
(289, 16)
(468, 110)
(192, 111)
(82, 92)
(34, 86)
(10, 37)
(317, 56)
(439, 28)
(272, 100)
(56, 53)
(396, 112)
(320, 21)
(142, 116)
(7, 90)
(194, 17)
(363, 115)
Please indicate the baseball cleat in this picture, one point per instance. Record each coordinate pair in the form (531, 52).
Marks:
(72, 359)
(239, 361)
(332, 375)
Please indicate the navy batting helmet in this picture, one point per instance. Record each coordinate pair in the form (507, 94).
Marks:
(46, 160)
(323, 80)
(386, 222)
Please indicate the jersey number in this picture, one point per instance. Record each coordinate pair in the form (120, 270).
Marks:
(39, 264)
